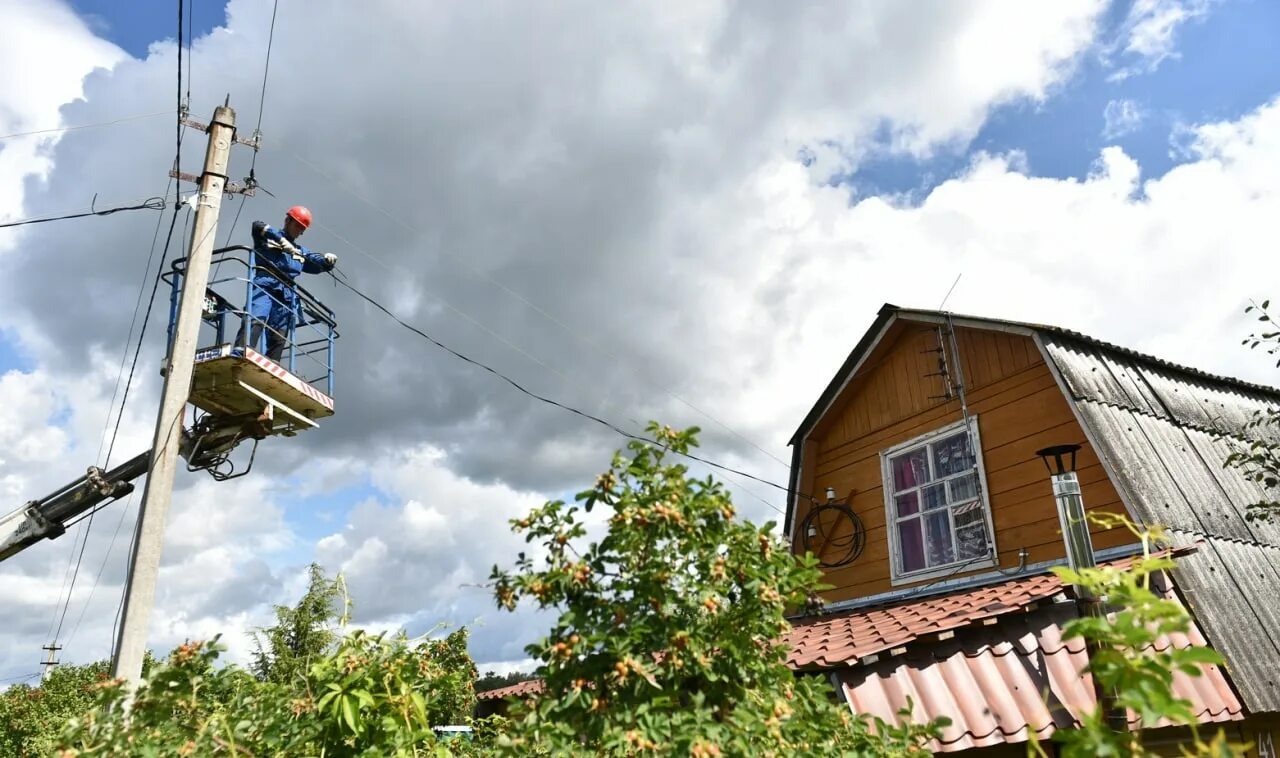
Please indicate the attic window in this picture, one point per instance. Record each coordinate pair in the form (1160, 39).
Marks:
(936, 507)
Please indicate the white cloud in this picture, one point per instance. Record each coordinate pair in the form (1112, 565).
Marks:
(29, 101)
(422, 555)
(1121, 117)
(1148, 34)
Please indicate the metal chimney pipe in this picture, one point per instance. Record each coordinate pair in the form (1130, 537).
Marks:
(1079, 545)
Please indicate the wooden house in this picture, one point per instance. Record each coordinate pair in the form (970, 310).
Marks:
(918, 484)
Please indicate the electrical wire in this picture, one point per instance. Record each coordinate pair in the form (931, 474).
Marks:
(466, 316)
(266, 69)
(177, 163)
(60, 129)
(257, 130)
(541, 398)
(19, 678)
(477, 271)
(191, 15)
(152, 204)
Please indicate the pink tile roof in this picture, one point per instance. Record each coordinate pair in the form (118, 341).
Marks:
(519, 689)
(1001, 683)
(838, 639)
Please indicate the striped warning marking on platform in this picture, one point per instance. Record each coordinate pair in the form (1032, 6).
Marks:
(293, 381)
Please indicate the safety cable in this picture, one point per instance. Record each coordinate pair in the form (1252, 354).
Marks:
(541, 398)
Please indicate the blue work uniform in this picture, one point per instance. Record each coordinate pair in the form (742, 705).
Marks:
(274, 301)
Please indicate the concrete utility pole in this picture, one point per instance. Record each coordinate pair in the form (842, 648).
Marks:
(50, 660)
(140, 589)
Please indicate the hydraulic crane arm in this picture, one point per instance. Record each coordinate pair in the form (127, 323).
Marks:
(206, 447)
(47, 517)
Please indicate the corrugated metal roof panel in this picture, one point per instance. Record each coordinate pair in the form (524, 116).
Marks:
(1232, 589)
(1092, 375)
(1194, 481)
(1141, 475)
(1240, 491)
(999, 684)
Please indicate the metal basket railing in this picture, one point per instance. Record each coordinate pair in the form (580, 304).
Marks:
(308, 340)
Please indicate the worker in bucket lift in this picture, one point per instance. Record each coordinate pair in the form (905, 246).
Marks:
(274, 302)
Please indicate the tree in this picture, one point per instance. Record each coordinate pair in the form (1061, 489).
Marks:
(372, 695)
(1128, 660)
(32, 716)
(1258, 459)
(319, 689)
(301, 634)
(667, 639)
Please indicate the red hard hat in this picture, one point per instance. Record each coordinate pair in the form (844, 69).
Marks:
(300, 214)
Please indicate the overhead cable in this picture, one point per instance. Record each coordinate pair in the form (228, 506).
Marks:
(152, 204)
(60, 129)
(543, 399)
(479, 272)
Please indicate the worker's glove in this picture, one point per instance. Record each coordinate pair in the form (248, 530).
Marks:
(282, 243)
(330, 260)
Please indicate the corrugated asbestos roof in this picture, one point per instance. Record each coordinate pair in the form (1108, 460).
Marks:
(1164, 433)
(1001, 683)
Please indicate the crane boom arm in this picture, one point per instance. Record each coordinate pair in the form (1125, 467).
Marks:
(47, 517)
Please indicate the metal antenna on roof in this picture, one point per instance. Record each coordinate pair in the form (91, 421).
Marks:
(953, 289)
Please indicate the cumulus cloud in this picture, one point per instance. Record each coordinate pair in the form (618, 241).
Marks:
(29, 101)
(420, 554)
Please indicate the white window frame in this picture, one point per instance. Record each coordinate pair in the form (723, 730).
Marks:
(898, 577)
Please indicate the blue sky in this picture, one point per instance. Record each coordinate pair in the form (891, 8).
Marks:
(135, 24)
(1225, 65)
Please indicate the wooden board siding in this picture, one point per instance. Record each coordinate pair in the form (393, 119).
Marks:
(1019, 409)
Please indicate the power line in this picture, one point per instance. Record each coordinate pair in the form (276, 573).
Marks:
(97, 579)
(257, 130)
(461, 313)
(477, 271)
(66, 606)
(177, 164)
(152, 204)
(191, 15)
(266, 68)
(19, 678)
(60, 129)
(133, 321)
(541, 398)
